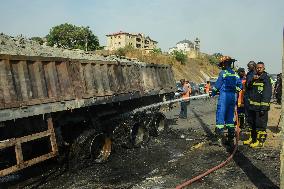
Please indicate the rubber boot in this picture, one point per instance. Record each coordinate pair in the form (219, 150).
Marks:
(261, 137)
(231, 136)
(218, 139)
(252, 137)
(242, 121)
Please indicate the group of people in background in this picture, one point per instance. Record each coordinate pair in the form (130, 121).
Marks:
(246, 95)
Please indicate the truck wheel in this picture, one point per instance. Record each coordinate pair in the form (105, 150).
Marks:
(139, 135)
(79, 151)
(100, 148)
(158, 124)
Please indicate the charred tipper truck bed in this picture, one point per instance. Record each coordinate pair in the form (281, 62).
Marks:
(39, 94)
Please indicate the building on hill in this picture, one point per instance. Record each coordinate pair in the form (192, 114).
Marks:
(190, 48)
(122, 39)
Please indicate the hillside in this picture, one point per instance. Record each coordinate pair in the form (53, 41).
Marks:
(198, 70)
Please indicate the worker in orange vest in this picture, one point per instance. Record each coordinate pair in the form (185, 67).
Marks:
(207, 87)
(240, 101)
(185, 93)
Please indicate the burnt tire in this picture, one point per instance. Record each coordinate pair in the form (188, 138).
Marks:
(158, 124)
(79, 151)
(139, 135)
(100, 148)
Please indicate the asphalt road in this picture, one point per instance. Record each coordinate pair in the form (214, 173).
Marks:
(178, 154)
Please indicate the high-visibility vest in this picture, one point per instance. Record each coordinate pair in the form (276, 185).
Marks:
(207, 88)
(185, 96)
(241, 95)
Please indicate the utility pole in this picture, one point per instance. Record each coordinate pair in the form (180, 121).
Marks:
(282, 123)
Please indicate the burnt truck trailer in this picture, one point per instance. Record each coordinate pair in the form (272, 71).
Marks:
(49, 103)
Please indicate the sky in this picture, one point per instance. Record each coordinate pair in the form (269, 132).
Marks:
(244, 29)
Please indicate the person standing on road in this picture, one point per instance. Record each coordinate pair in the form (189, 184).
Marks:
(251, 72)
(259, 105)
(228, 83)
(278, 88)
(207, 87)
(186, 90)
(240, 101)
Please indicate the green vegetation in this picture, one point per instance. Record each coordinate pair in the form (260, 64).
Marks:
(180, 56)
(72, 37)
(123, 51)
(157, 50)
(215, 58)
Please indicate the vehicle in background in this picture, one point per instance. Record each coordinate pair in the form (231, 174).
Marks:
(179, 89)
(212, 84)
(194, 88)
(202, 88)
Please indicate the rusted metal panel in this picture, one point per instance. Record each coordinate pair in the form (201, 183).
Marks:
(126, 78)
(117, 74)
(105, 79)
(9, 90)
(98, 79)
(112, 78)
(30, 81)
(88, 79)
(134, 75)
(17, 143)
(75, 70)
(64, 81)
(52, 81)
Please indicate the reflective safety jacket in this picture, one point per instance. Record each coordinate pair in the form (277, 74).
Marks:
(228, 81)
(241, 94)
(207, 88)
(186, 92)
(260, 93)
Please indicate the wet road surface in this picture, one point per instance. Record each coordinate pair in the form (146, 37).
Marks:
(178, 154)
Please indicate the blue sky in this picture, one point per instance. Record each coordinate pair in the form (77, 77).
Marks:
(245, 29)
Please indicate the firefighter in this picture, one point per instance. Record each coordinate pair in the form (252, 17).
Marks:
(259, 105)
(228, 83)
(251, 72)
(240, 101)
(278, 88)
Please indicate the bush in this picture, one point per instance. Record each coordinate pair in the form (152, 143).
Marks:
(180, 56)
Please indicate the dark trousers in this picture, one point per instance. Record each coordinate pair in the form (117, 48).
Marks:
(183, 109)
(246, 107)
(257, 121)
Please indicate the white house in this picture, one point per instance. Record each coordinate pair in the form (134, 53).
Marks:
(186, 46)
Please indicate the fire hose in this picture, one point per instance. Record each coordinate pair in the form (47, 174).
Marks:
(214, 168)
(188, 182)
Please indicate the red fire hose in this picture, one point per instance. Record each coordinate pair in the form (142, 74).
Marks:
(218, 166)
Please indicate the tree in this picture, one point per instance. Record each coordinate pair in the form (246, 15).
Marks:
(215, 58)
(217, 55)
(157, 50)
(180, 56)
(73, 37)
